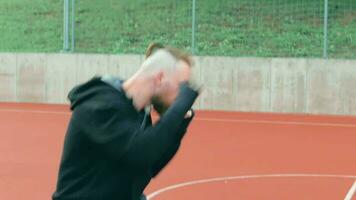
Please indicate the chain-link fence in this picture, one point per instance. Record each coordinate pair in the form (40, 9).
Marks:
(127, 26)
(278, 28)
(263, 28)
(31, 25)
(342, 28)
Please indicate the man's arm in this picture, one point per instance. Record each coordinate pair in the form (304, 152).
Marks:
(116, 134)
(148, 147)
(168, 155)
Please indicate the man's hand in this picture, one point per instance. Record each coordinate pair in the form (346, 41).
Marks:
(195, 86)
(160, 108)
(189, 114)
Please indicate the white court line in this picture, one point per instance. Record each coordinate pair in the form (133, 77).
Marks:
(207, 119)
(351, 192)
(219, 179)
(277, 122)
(36, 111)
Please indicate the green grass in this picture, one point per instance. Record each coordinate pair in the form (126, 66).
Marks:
(264, 28)
(30, 25)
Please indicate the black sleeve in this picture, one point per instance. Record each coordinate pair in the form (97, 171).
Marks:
(148, 147)
(116, 133)
(168, 155)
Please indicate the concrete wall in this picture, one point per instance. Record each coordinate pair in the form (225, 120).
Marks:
(241, 84)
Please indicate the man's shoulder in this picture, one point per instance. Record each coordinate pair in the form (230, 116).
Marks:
(113, 81)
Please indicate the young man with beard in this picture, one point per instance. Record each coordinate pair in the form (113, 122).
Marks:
(112, 149)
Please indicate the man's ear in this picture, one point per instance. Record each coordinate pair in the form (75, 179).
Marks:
(159, 78)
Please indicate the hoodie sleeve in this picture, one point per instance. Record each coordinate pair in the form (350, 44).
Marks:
(168, 155)
(117, 134)
(149, 146)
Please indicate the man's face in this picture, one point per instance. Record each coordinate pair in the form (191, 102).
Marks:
(168, 88)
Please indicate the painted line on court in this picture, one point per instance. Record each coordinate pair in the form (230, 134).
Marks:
(208, 119)
(36, 111)
(220, 179)
(277, 122)
(351, 192)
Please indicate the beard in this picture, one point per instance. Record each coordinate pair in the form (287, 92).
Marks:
(159, 105)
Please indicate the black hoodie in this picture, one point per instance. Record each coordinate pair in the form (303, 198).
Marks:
(111, 150)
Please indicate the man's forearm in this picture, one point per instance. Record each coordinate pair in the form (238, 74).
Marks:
(148, 147)
(168, 155)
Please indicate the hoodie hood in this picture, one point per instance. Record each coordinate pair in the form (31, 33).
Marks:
(90, 89)
(83, 92)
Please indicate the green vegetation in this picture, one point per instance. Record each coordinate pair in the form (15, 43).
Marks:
(265, 28)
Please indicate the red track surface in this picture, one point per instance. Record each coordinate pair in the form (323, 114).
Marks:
(218, 144)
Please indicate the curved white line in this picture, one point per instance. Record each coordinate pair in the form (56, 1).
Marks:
(351, 192)
(218, 179)
(210, 119)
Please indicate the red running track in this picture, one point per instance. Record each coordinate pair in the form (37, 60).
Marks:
(225, 155)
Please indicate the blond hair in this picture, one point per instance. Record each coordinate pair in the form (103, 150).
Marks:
(178, 54)
(161, 58)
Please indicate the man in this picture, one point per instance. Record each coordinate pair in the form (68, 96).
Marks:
(111, 149)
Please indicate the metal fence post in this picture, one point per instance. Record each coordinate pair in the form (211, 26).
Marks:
(193, 26)
(325, 29)
(66, 26)
(73, 24)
